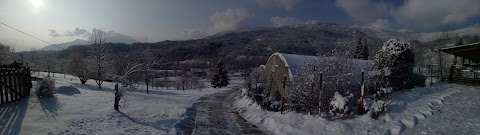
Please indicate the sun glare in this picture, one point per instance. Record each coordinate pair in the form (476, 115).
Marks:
(37, 3)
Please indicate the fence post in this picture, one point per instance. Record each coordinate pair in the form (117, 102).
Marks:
(431, 75)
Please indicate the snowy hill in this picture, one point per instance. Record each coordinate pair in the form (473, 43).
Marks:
(65, 45)
(113, 37)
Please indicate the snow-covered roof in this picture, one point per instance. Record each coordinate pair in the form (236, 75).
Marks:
(295, 62)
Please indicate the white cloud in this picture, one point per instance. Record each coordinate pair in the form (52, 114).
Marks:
(412, 14)
(434, 13)
(70, 33)
(364, 11)
(54, 33)
(77, 32)
(381, 23)
(284, 4)
(193, 34)
(282, 21)
(231, 19)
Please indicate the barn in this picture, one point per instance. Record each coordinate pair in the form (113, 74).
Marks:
(281, 67)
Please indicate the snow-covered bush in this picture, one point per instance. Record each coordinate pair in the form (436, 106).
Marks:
(314, 87)
(339, 105)
(378, 107)
(375, 102)
(396, 56)
(305, 89)
(270, 104)
(45, 87)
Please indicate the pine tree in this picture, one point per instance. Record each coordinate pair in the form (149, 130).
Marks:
(359, 49)
(365, 50)
(220, 77)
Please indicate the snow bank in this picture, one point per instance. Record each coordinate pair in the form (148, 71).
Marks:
(403, 111)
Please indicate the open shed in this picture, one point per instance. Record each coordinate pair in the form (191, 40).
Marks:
(468, 70)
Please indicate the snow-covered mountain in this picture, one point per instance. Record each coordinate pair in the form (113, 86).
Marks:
(113, 37)
(65, 45)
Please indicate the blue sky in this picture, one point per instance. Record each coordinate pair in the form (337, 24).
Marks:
(58, 21)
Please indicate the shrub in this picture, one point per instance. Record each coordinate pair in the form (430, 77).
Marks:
(339, 105)
(45, 87)
(396, 59)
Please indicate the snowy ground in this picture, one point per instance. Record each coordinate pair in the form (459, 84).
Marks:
(84, 109)
(217, 115)
(440, 109)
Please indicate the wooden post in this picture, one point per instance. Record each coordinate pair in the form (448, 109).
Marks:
(440, 65)
(419, 71)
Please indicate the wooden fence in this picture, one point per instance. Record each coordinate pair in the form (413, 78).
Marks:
(15, 83)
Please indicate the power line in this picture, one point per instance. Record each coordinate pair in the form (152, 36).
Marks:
(30, 35)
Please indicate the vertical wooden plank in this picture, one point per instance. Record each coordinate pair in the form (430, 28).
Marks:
(18, 84)
(12, 85)
(29, 81)
(9, 83)
(2, 88)
(15, 84)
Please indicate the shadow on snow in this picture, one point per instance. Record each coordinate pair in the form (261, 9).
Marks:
(11, 116)
(68, 90)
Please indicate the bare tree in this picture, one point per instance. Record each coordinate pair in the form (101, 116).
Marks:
(48, 62)
(5, 54)
(147, 62)
(77, 66)
(98, 55)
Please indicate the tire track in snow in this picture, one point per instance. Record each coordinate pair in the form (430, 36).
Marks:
(217, 115)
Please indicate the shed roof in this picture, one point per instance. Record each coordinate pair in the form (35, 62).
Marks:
(295, 62)
(469, 51)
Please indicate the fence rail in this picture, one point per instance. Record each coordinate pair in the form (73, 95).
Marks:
(15, 83)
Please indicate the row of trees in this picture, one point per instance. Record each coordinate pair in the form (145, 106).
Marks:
(100, 64)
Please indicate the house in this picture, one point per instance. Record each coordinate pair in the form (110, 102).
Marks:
(281, 67)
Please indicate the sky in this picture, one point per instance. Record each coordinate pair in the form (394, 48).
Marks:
(59, 21)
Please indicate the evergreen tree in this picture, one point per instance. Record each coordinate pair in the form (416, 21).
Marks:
(361, 52)
(365, 50)
(220, 77)
(359, 49)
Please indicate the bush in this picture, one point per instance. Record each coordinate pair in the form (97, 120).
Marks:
(45, 87)
(395, 59)
(339, 105)
(271, 105)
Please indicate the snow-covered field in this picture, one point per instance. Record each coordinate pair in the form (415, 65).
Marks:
(419, 106)
(85, 109)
